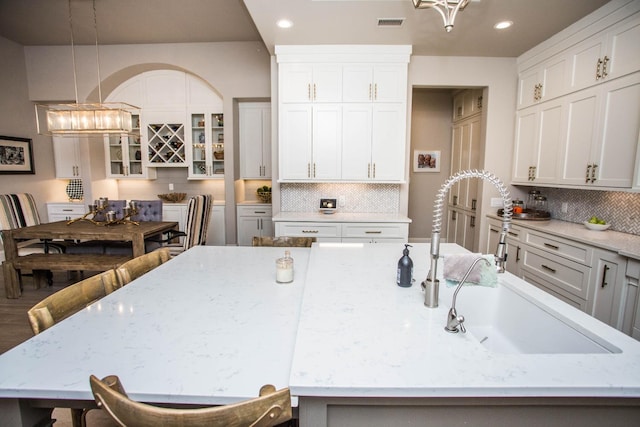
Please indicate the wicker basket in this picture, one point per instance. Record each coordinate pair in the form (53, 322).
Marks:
(219, 155)
(172, 197)
(264, 197)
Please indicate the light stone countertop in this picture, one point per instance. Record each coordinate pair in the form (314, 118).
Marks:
(624, 243)
(339, 217)
(360, 335)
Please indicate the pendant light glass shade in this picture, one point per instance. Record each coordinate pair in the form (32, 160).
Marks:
(448, 9)
(82, 119)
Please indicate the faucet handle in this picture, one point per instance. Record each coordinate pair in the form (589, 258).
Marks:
(461, 324)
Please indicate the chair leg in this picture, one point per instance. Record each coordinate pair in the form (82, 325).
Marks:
(78, 417)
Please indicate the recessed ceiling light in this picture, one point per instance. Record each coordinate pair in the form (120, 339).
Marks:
(502, 25)
(285, 23)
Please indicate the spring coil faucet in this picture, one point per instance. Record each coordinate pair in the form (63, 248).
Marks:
(431, 284)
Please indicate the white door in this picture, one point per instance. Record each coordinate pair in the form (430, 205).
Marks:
(388, 142)
(66, 156)
(526, 145)
(327, 141)
(550, 139)
(295, 141)
(356, 141)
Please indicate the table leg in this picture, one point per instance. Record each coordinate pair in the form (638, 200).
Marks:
(137, 242)
(16, 412)
(11, 280)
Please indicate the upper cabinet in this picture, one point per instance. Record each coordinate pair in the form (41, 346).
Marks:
(578, 117)
(342, 113)
(180, 126)
(254, 124)
(67, 158)
(124, 155)
(374, 83)
(310, 82)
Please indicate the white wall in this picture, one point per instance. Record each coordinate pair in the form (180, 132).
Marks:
(499, 75)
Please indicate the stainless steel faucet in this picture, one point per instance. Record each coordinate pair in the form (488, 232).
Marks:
(455, 323)
(431, 284)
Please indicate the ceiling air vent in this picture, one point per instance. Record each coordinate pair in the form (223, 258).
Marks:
(390, 22)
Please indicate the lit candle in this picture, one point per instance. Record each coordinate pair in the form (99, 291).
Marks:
(284, 268)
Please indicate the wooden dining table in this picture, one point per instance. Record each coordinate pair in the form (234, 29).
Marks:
(136, 233)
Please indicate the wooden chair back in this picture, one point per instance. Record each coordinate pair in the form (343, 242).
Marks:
(138, 266)
(270, 408)
(70, 300)
(292, 242)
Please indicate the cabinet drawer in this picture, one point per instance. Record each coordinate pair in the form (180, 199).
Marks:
(260, 211)
(308, 229)
(64, 211)
(375, 230)
(550, 288)
(567, 275)
(558, 246)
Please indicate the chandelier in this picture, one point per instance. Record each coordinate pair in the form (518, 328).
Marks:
(448, 9)
(84, 119)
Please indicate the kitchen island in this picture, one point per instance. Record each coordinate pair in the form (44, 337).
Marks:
(354, 348)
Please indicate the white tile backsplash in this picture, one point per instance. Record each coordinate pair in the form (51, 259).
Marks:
(305, 197)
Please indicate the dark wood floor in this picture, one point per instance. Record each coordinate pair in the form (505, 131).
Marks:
(14, 325)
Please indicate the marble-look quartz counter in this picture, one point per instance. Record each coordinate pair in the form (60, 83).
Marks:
(341, 217)
(624, 243)
(360, 335)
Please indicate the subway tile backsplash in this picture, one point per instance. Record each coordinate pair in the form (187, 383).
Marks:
(620, 209)
(305, 197)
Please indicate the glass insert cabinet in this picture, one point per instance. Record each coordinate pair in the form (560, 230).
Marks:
(124, 155)
(207, 145)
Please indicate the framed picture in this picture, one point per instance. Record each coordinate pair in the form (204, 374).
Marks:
(426, 161)
(16, 155)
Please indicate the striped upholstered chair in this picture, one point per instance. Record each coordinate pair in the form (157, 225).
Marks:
(195, 232)
(19, 210)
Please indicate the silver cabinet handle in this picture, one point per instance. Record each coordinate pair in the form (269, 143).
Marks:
(588, 174)
(368, 170)
(472, 222)
(310, 231)
(309, 91)
(598, 65)
(370, 92)
(373, 232)
(594, 167)
(473, 204)
(605, 73)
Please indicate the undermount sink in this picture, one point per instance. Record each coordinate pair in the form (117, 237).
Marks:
(506, 321)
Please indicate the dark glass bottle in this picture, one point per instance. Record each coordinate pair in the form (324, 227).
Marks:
(405, 269)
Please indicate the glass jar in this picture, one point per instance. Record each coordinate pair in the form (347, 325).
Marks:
(531, 201)
(284, 268)
(540, 204)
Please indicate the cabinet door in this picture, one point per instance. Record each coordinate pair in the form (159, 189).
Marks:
(622, 48)
(310, 82)
(582, 108)
(550, 138)
(390, 83)
(356, 141)
(528, 82)
(327, 141)
(357, 83)
(255, 140)
(526, 146)
(388, 142)
(295, 141)
(456, 161)
(66, 156)
(618, 135)
(474, 153)
(608, 282)
(586, 60)
(247, 228)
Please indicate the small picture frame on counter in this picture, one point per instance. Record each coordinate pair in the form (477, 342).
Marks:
(426, 160)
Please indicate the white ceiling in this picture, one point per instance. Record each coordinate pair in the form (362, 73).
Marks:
(46, 22)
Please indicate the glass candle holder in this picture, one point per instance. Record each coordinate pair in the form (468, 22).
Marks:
(284, 268)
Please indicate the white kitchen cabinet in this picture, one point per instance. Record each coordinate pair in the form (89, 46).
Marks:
(123, 155)
(605, 56)
(466, 151)
(254, 124)
(542, 82)
(374, 83)
(322, 231)
(602, 136)
(467, 103)
(300, 82)
(67, 158)
(374, 232)
(253, 220)
(205, 145)
(65, 211)
(310, 142)
(373, 141)
(163, 139)
(631, 299)
(607, 282)
(539, 135)
(461, 228)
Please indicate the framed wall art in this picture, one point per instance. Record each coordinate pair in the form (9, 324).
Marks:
(426, 161)
(16, 155)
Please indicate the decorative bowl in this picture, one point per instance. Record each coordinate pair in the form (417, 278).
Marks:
(264, 197)
(596, 227)
(172, 197)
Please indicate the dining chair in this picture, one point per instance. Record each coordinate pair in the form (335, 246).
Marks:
(270, 408)
(138, 266)
(19, 210)
(292, 242)
(67, 301)
(148, 210)
(196, 226)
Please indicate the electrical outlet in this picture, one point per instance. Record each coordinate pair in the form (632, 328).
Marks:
(170, 187)
(565, 207)
(341, 201)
